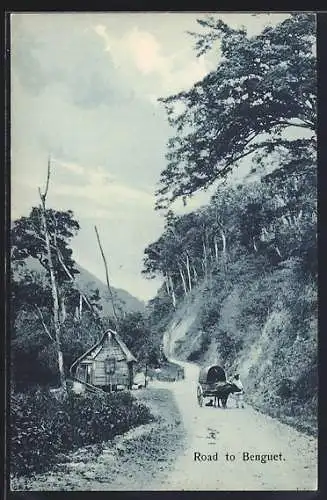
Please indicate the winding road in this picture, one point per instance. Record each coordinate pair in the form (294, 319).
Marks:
(223, 450)
(236, 449)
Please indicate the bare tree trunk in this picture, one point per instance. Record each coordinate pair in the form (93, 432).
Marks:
(167, 284)
(188, 272)
(183, 279)
(224, 252)
(208, 248)
(63, 309)
(223, 237)
(80, 310)
(107, 279)
(39, 315)
(205, 261)
(173, 296)
(216, 248)
(54, 289)
(195, 274)
(278, 251)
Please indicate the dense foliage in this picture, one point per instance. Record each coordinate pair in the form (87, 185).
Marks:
(41, 426)
(262, 86)
(33, 344)
(245, 265)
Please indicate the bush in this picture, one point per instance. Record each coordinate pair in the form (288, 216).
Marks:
(41, 427)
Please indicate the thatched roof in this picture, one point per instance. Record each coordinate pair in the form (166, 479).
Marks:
(110, 333)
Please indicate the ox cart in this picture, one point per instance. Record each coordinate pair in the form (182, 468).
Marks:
(212, 383)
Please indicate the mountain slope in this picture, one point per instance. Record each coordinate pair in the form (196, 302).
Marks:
(262, 326)
(89, 282)
(123, 299)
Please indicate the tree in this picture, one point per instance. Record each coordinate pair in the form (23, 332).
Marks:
(53, 281)
(135, 332)
(262, 86)
(44, 235)
(27, 240)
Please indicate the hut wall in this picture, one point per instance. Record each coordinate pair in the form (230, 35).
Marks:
(100, 377)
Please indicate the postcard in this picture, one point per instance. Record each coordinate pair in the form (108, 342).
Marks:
(163, 251)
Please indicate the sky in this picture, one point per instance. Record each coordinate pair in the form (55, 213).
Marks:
(84, 93)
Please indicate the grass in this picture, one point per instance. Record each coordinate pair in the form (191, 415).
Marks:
(42, 427)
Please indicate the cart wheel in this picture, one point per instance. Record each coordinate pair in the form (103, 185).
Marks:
(200, 395)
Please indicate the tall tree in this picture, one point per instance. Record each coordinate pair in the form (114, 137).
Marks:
(45, 235)
(262, 86)
(27, 240)
(53, 282)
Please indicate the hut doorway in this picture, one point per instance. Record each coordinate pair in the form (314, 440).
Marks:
(85, 372)
(110, 369)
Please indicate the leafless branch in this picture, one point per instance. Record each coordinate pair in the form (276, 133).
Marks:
(44, 195)
(305, 124)
(39, 315)
(71, 277)
(107, 278)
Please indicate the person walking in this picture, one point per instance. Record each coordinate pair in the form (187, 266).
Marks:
(240, 393)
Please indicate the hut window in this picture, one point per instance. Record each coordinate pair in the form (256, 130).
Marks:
(110, 365)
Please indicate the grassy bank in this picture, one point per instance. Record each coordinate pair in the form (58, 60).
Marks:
(261, 323)
(141, 458)
(43, 427)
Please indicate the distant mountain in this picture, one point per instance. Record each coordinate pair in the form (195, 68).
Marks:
(128, 302)
(88, 282)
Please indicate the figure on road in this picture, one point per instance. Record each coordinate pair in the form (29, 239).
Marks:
(238, 395)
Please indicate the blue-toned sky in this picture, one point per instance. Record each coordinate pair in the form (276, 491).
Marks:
(84, 90)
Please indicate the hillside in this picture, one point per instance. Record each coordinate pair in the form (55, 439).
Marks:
(262, 327)
(123, 298)
(89, 282)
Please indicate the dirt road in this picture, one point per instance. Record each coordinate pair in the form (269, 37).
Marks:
(191, 448)
(242, 434)
(160, 456)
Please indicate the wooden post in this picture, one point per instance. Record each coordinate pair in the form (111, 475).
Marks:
(107, 279)
(146, 374)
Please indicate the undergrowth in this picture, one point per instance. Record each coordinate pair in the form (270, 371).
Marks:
(41, 426)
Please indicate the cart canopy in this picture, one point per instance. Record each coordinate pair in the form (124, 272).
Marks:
(212, 374)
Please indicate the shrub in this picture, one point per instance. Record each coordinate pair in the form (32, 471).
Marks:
(41, 427)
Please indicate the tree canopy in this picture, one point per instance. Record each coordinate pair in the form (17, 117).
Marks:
(262, 85)
(27, 240)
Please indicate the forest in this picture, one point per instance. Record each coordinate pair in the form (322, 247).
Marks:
(53, 320)
(247, 260)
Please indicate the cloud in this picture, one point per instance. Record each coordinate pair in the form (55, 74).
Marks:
(72, 167)
(146, 52)
(162, 73)
(85, 89)
(65, 54)
(103, 190)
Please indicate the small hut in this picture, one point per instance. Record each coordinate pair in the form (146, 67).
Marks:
(109, 364)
